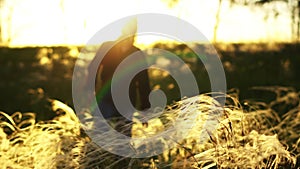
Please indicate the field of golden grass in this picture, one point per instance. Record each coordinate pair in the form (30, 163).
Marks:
(248, 135)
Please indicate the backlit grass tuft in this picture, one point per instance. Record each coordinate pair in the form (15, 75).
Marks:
(223, 136)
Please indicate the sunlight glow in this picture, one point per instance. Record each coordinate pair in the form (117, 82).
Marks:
(60, 22)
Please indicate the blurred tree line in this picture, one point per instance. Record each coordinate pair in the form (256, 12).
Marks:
(29, 76)
(7, 9)
(293, 6)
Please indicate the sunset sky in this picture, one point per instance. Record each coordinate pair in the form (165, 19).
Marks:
(60, 22)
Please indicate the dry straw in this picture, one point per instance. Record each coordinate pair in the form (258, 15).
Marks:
(240, 140)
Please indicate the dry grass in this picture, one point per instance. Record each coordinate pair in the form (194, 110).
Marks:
(255, 139)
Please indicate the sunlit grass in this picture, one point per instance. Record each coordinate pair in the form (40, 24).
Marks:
(242, 139)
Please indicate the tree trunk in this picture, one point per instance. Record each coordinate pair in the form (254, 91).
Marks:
(298, 20)
(217, 23)
(1, 14)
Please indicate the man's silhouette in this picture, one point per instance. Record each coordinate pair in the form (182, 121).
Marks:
(139, 88)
